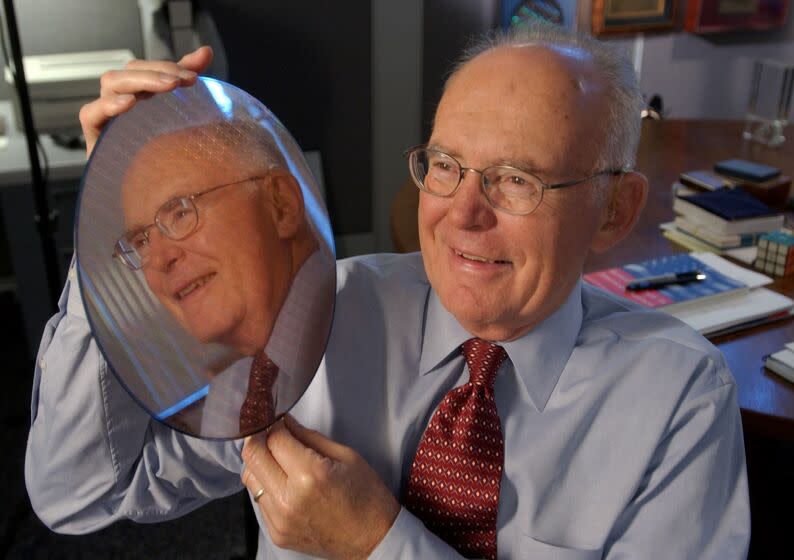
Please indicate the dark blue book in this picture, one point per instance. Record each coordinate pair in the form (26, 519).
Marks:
(731, 204)
(746, 170)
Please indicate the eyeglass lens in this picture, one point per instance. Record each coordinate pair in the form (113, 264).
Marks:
(176, 219)
(506, 187)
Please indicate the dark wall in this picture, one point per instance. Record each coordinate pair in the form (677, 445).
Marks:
(449, 25)
(309, 62)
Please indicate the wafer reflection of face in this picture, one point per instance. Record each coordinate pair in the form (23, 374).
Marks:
(226, 281)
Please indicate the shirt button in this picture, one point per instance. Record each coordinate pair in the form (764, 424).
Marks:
(42, 364)
(72, 274)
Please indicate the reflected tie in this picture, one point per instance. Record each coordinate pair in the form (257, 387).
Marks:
(258, 407)
(454, 482)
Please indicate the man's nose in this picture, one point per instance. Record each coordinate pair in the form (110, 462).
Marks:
(164, 252)
(469, 208)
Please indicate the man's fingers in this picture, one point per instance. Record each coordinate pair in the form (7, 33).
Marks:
(186, 75)
(198, 60)
(94, 115)
(294, 456)
(251, 482)
(115, 82)
(261, 464)
(317, 441)
(118, 89)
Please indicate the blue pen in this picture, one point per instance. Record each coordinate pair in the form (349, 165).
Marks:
(651, 282)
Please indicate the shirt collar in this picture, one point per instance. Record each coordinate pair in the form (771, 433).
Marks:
(294, 321)
(538, 357)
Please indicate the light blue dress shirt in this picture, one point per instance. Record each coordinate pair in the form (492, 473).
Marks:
(622, 433)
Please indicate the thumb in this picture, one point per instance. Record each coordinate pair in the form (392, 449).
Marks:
(316, 441)
(198, 60)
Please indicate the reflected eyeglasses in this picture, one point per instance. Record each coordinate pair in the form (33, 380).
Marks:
(176, 219)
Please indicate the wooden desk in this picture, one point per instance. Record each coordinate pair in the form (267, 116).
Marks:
(667, 149)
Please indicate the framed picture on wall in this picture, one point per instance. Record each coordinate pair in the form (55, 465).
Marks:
(712, 16)
(610, 17)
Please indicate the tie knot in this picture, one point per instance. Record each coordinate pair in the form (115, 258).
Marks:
(483, 359)
(263, 368)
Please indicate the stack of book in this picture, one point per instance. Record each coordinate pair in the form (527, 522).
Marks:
(729, 298)
(719, 220)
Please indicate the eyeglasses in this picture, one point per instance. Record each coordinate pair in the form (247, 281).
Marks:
(506, 188)
(176, 219)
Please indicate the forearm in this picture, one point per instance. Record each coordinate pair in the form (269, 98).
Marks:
(93, 455)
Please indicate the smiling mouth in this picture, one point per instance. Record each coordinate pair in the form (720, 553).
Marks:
(478, 258)
(195, 284)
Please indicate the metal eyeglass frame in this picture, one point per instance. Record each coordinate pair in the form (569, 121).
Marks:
(410, 153)
(123, 255)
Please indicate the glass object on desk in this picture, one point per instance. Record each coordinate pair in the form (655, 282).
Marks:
(770, 102)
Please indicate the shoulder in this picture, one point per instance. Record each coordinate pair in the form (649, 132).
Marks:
(381, 276)
(381, 267)
(379, 297)
(657, 344)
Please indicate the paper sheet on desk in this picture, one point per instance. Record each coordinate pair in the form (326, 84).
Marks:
(743, 254)
(712, 316)
(749, 277)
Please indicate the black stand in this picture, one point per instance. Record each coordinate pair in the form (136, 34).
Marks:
(44, 218)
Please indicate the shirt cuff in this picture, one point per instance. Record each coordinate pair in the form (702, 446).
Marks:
(408, 538)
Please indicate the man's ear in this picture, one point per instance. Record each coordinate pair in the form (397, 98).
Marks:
(285, 202)
(625, 202)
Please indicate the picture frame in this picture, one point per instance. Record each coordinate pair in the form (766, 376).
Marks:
(714, 16)
(614, 17)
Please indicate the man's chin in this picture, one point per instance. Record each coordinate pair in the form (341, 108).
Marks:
(483, 319)
(204, 335)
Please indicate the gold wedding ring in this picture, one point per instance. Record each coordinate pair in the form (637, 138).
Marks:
(259, 494)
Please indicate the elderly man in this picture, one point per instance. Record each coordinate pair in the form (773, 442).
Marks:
(477, 400)
(223, 243)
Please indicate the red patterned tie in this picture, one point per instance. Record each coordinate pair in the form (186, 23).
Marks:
(258, 407)
(455, 477)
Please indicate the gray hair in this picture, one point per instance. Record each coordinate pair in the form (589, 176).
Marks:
(237, 140)
(622, 126)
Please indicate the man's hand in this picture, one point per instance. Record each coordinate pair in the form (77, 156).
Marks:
(119, 89)
(320, 497)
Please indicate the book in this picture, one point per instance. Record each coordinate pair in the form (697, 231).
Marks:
(723, 311)
(687, 241)
(702, 179)
(719, 241)
(728, 212)
(747, 170)
(782, 362)
(669, 297)
(773, 192)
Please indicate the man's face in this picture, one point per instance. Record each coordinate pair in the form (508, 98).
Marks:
(227, 280)
(537, 109)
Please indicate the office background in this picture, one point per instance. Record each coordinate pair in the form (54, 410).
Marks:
(357, 81)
